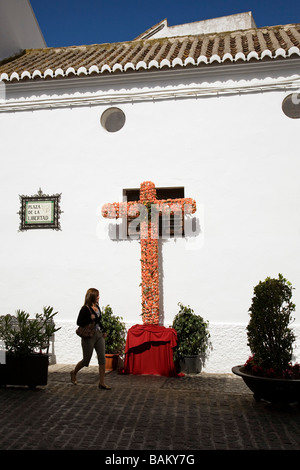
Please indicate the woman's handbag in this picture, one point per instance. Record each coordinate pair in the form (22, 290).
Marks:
(86, 331)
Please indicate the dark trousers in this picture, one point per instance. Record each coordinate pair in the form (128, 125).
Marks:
(97, 342)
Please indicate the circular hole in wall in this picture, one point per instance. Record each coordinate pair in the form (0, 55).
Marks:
(291, 106)
(113, 119)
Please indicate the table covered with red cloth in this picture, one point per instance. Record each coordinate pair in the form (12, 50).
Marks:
(149, 350)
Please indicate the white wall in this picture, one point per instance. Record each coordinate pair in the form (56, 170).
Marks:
(236, 154)
(19, 28)
(213, 25)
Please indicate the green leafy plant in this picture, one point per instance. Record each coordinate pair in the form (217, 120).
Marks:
(23, 336)
(116, 331)
(270, 337)
(193, 337)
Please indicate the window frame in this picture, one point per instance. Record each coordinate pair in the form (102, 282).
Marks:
(133, 194)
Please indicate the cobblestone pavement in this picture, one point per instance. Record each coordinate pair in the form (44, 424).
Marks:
(203, 412)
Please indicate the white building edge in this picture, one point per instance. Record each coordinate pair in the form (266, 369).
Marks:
(211, 123)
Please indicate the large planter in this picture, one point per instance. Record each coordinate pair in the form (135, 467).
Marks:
(190, 364)
(274, 390)
(30, 371)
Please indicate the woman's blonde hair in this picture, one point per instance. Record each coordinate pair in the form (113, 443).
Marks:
(91, 297)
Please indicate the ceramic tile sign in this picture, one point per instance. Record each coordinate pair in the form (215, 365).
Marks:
(40, 211)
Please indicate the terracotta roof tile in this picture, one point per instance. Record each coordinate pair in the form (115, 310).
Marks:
(251, 44)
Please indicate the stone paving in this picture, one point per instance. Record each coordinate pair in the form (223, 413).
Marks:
(191, 413)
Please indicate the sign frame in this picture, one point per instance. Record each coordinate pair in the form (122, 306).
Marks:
(40, 211)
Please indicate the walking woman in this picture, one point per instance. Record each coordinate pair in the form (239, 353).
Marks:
(88, 313)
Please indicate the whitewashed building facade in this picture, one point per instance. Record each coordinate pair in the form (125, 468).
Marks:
(209, 108)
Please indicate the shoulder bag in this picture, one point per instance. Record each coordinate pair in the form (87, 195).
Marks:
(86, 331)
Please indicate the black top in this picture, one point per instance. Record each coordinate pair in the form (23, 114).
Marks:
(84, 316)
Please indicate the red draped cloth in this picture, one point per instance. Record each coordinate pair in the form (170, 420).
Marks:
(149, 350)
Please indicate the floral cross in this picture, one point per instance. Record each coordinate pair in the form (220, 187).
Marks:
(149, 238)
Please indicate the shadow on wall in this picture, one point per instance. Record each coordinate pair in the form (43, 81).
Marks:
(118, 233)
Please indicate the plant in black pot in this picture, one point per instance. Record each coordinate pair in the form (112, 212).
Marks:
(193, 340)
(269, 371)
(115, 340)
(26, 341)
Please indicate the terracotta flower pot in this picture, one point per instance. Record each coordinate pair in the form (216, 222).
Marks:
(111, 361)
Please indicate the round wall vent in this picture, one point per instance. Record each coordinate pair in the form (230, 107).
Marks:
(113, 119)
(291, 106)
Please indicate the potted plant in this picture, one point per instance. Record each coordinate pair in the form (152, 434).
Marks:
(26, 343)
(115, 340)
(269, 372)
(193, 340)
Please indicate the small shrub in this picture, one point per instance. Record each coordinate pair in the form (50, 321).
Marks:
(116, 331)
(23, 336)
(192, 334)
(269, 336)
